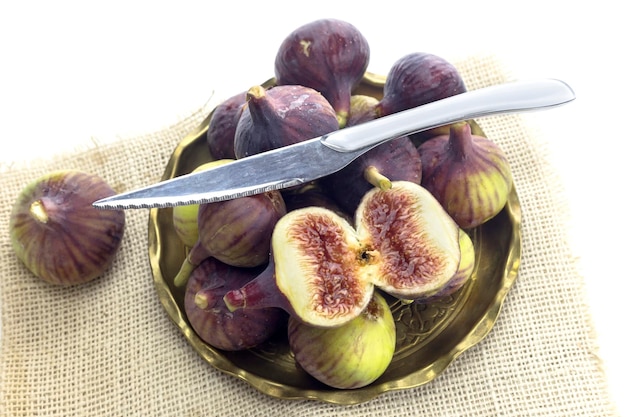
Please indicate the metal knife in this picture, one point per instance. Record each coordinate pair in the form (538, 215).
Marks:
(318, 157)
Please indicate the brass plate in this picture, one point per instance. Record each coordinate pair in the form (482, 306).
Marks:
(429, 337)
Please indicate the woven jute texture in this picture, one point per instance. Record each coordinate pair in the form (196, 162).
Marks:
(109, 348)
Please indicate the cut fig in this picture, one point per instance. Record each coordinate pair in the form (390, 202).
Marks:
(319, 271)
(416, 240)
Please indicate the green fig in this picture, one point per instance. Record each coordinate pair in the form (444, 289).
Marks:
(349, 356)
(468, 174)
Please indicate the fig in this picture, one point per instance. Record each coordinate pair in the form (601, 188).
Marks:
(418, 78)
(328, 55)
(394, 160)
(417, 242)
(237, 232)
(349, 356)
(185, 218)
(281, 116)
(213, 322)
(318, 271)
(220, 133)
(468, 174)
(57, 233)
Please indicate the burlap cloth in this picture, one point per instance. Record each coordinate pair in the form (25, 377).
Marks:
(108, 347)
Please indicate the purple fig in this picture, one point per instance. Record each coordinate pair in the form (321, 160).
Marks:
(237, 232)
(281, 116)
(328, 55)
(220, 133)
(213, 322)
(468, 174)
(416, 79)
(58, 234)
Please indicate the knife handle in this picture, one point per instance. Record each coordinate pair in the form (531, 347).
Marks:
(510, 97)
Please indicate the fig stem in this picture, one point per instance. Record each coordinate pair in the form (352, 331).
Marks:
(460, 142)
(38, 211)
(374, 177)
(184, 272)
(203, 301)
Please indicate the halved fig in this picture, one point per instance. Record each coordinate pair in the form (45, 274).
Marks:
(319, 271)
(416, 240)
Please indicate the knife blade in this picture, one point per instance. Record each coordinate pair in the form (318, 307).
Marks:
(318, 157)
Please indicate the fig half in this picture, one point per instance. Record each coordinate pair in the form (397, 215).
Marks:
(58, 234)
(318, 272)
(416, 239)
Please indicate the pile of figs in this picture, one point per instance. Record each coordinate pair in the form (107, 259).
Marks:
(320, 262)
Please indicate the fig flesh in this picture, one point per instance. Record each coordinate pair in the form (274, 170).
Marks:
(468, 174)
(220, 133)
(213, 322)
(185, 218)
(281, 116)
(58, 234)
(237, 232)
(349, 356)
(318, 272)
(416, 240)
(419, 78)
(328, 55)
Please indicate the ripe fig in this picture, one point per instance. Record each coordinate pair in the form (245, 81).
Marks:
(394, 160)
(319, 272)
(185, 218)
(328, 55)
(280, 116)
(220, 133)
(349, 356)
(213, 322)
(419, 78)
(58, 234)
(237, 232)
(468, 174)
(417, 242)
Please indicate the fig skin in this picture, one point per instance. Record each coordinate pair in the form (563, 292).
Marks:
(395, 160)
(213, 322)
(57, 233)
(318, 271)
(185, 218)
(328, 55)
(220, 133)
(468, 174)
(416, 79)
(417, 242)
(237, 232)
(350, 356)
(281, 116)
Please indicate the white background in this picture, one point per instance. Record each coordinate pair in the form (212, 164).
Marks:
(72, 73)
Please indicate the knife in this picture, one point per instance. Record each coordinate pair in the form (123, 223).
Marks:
(318, 157)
